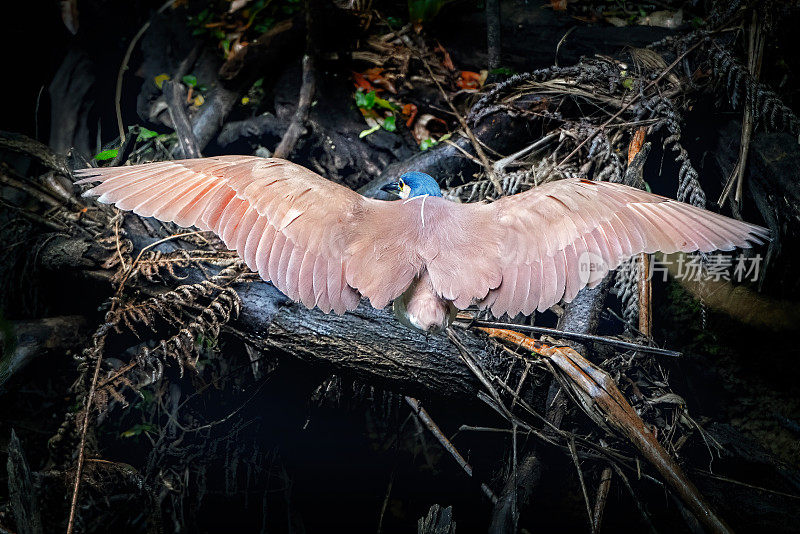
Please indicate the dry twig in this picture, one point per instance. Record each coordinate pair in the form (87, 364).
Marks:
(468, 131)
(292, 134)
(431, 425)
(87, 410)
(124, 66)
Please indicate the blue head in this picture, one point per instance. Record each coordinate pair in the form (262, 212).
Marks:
(414, 184)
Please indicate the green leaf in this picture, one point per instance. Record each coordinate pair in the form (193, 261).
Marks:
(627, 83)
(365, 133)
(107, 154)
(136, 430)
(365, 100)
(219, 34)
(389, 123)
(385, 104)
(190, 80)
(145, 134)
(146, 395)
(427, 143)
(503, 71)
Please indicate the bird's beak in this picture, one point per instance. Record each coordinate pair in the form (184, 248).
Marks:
(393, 188)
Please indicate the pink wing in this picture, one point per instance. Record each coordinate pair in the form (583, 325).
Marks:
(325, 245)
(525, 252)
(288, 223)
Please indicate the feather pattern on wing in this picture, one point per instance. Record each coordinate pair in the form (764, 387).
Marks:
(325, 245)
(281, 218)
(558, 226)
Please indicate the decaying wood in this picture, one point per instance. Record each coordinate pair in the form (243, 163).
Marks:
(31, 148)
(634, 176)
(601, 498)
(72, 104)
(517, 489)
(578, 336)
(438, 521)
(370, 344)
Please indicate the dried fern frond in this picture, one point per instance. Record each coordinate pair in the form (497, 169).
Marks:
(768, 108)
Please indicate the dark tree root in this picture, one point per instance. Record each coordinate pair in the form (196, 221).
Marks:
(264, 57)
(295, 129)
(176, 105)
(255, 130)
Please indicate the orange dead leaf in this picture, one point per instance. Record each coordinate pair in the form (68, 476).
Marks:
(558, 5)
(361, 82)
(376, 77)
(636, 144)
(469, 80)
(410, 110)
(375, 73)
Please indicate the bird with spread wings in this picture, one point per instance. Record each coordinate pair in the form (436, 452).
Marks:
(325, 245)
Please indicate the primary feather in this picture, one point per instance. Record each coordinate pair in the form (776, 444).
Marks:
(325, 245)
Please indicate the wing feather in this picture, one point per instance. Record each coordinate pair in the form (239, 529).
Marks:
(326, 245)
(288, 223)
(228, 232)
(305, 284)
(262, 248)
(558, 225)
(245, 230)
(274, 261)
(321, 289)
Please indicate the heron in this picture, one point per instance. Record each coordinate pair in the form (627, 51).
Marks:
(325, 245)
